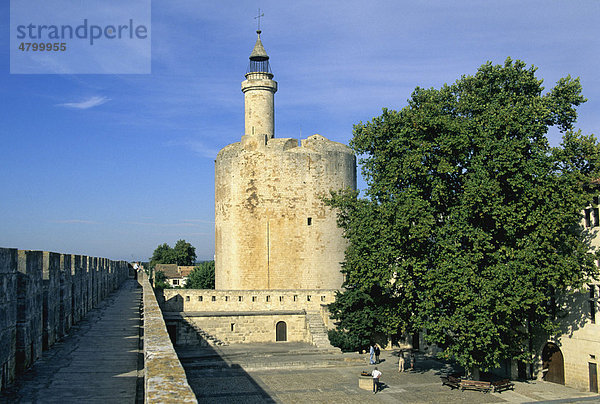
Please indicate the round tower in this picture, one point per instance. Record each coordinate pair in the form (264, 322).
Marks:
(272, 229)
(259, 90)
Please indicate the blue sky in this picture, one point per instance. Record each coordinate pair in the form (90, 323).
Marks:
(114, 165)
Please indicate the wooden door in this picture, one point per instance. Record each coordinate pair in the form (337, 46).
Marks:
(281, 331)
(553, 364)
(593, 377)
(415, 341)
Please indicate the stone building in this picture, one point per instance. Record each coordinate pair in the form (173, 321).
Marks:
(278, 250)
(572, 357)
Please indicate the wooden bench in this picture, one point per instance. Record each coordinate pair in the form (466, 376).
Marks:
(486, 387)
(451, 381)
(502, 385)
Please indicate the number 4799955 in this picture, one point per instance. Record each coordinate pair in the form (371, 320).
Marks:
(43, 46)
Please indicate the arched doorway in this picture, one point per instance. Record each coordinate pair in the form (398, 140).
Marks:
(553, 364)
(281, 331)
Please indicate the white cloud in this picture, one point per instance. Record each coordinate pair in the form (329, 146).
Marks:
(74, 221)
(86, 104)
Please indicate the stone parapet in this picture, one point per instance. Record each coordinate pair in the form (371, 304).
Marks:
(8, 315)
(42, 294)
(164, 377)
(210, 300)
(30, 307)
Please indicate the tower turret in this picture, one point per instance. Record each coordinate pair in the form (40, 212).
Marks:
(259, 90)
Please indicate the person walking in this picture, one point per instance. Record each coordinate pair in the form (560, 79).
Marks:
(401, 362)
(371, 353)
(377, 353)
(412, 361)
(376, 375)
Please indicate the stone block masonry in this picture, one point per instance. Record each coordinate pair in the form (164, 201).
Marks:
(42, 294)
(164, 377)
(8, 316)
(30, 306)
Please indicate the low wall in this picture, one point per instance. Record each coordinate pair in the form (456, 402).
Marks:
(42, 294)
(208, 300)
(164, 378)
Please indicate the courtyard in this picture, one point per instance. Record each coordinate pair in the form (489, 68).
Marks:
(299, 373)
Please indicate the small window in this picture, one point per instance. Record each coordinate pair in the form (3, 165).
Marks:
(187, 298)
(253, 298)
(175, 281)
(240, 298)
(596, 217)
(214, 298)
(309, 221)
(322, 298)
(308, 298)
(281, 298)
(592, 291)
(232, 327)
(588, 218)
(592, 312)
(199, 298)
(226, 298)
(295, 298)
(268, 298)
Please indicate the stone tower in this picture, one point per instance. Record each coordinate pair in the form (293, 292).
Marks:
(272, 231)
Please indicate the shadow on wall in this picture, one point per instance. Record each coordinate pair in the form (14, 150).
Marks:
(174, 303)
(573, 316)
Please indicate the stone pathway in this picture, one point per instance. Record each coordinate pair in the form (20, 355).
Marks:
(96, 363)
(292, 373)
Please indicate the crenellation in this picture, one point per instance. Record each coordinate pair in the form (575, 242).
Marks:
(42, 294)
(30, 293)
(51, 301)
(8, 315)
(65, 310)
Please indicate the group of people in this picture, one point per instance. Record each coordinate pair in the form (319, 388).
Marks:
(374, 352)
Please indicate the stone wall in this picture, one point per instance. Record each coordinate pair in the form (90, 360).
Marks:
(272, 229)
(42, 294)
(8, 316)
(209, 300)
(579, 339)
(30, 307)
(253, 327)
(164, 377)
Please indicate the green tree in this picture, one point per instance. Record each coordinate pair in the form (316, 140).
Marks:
(182, 254)
(471, 221)
(160, 280)
(202, 276)
(163, 254)
(368, 321)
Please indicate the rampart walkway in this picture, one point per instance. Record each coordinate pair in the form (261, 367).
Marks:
(97, 362)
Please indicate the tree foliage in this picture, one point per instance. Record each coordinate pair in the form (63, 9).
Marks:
(182, 254)
(369, 320)
(202, 276)
(160, 280)
(471, 220)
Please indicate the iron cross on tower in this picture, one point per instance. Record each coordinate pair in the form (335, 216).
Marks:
(258, 18)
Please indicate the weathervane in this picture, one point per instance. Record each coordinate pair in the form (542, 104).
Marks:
(258, 17)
